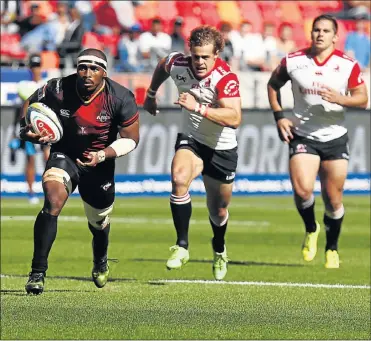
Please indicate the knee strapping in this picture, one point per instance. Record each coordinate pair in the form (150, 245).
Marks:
(303, 204)
(219, 221)
(336, 214)
(98, 218)
(59, 175)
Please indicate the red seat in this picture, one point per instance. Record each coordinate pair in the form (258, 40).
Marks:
(167, 11)
(250, 12)
(290, 12)
(106, 15)
(330, 6)
(145, 12)
(209, 14)
(298, 35)
(92, 40)
(342, 34)
(110, 41)
(309, 9)
(189, 24)
(12, 47)
(185, 8)
(269, 11)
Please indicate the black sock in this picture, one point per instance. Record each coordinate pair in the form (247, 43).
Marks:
(45, 231)
(308, 216)
(181, 209)
(100, 243)
(219, 233)
(333, 227)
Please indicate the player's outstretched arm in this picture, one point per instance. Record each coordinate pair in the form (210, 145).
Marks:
(159, 76)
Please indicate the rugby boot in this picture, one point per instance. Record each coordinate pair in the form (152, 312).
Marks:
(179, 257)
(332, 259)
(220, 264)
(100, 273)
(309, 248)
(35, 283)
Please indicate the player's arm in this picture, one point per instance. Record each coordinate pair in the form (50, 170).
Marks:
(228, 114)
(128, 141)
(160, 75)
(228, 98)
(25, 132)
(127, 117)
(357, 89)
(277, 80)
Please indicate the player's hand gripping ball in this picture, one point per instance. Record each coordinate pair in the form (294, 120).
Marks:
(44, 121)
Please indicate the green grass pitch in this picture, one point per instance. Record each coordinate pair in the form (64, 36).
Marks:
(269, 291)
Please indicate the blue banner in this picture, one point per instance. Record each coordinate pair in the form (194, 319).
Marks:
(160, 185)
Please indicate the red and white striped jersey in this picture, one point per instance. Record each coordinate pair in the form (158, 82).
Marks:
(314, 117)
(219, 83)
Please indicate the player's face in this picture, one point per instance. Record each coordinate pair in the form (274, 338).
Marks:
(89, 76)
(323, 35)
(203, 59)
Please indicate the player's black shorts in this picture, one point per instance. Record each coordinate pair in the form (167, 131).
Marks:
(331, 150)
(96, 184)
(218, 164)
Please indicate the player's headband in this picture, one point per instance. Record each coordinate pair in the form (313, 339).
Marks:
(89, 59)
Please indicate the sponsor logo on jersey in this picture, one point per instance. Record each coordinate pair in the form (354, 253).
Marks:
(103, 116)
(221, 70)
(310, 91)
(190, 74)
(318, 73)
(301, 66)
(230, 177)
(82, 131)
(106, 186)
(301, 148)
(183, 142)
(181, 78)
(58, 86)
(41, 93)
(206, 83)
(337, 68)
(231, 88)
(64, 112)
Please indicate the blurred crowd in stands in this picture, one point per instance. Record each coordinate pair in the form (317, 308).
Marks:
(135, 34)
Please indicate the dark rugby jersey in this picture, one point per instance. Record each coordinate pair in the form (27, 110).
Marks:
(87, 126)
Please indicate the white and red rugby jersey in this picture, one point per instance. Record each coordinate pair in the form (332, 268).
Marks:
(219, 83)
(314, 117)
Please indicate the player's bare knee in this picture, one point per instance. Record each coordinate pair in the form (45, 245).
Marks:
(333, 204)
(303, 193)
(98, 218)
(180, 182)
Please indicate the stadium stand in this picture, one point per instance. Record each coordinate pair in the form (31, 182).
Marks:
(104, 25)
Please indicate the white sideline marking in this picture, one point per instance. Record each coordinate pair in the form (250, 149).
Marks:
(272, 284)
(195, 204)
(262, 284)
(131, 220)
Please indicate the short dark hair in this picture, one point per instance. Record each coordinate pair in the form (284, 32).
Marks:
(93, 52)
(326, 17)
(204, 35)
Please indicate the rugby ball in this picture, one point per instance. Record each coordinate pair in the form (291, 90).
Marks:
(44, 120)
